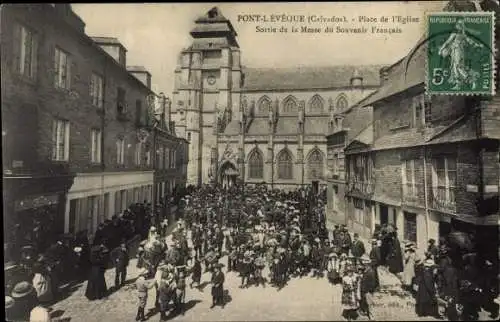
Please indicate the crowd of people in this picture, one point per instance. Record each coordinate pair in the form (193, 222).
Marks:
(40, 271)
(266, 237)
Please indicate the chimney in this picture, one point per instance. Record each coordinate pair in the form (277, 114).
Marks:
(141, 74)
(113, 47)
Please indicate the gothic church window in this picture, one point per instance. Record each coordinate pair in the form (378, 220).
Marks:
(316, 104)
(290, 105)
(315, 165)
(255, 165)
(285, 165)
(341, 103)
(264, 105)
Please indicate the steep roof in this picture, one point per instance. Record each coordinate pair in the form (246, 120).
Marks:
(308, 77)
(406, 73)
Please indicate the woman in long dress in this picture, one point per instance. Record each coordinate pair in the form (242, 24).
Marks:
(350, 298)
(409, 266)
(96, 286)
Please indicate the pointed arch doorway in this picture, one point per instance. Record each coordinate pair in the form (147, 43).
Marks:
(227, 175)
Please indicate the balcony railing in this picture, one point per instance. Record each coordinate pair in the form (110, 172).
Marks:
(443, 199)
(413, 194)
(364, 187)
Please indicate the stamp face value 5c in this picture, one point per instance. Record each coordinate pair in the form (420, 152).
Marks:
(461, 53)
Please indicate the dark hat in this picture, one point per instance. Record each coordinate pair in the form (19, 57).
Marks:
(22, 289)
(356, 235)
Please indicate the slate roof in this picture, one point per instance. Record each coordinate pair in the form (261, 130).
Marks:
(463, 130)
(308, 77)
(233, 128)
(406, 73)
(259, 126)
(316, 125)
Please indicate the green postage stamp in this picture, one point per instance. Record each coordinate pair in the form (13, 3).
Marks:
(461, 53)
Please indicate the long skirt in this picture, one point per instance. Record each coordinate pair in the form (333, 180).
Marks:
(96, 286)
(218, 292)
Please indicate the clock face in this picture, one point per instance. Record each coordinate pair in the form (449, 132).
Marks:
(211, 80)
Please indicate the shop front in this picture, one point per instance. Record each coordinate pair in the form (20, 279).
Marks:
(33, 212)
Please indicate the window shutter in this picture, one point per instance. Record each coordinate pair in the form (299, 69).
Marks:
(70, 71)
(57, 58)
(34, 56)
(66, 140)
(92, 88)
(16, 48)
(403, 176)
(54, 139)
(434, 176)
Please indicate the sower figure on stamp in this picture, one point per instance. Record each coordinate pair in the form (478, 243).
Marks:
(455, 48)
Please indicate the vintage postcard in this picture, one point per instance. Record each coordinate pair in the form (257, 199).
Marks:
(251, 161)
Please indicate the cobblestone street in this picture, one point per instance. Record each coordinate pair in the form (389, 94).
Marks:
(304, 298)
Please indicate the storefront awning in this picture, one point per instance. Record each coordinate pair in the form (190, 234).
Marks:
(231, 172)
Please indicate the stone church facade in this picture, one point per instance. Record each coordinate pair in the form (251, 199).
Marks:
(258, 125)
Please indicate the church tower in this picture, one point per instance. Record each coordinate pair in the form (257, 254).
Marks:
(206, 93)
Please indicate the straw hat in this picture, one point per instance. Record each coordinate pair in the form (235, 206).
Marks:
(429, 262)
(22, 289)
(9, 302)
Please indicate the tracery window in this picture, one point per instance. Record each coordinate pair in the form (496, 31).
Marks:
(289, 105)
(285, 165)
(316, 104)
(264, 105)
(315, 165)
(255, 165)
(341, 103)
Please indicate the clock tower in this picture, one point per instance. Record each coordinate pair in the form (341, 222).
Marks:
(207, 91)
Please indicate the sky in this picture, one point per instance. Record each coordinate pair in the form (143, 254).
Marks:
(155, 33)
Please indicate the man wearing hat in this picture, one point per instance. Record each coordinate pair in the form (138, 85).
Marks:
(217, 281)
(25, 299)
(357, 249)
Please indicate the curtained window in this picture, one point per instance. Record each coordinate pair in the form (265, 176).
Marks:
(315, 165)
(255, 165)
(285, 165)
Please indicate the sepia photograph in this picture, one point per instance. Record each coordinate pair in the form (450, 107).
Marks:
(261, 161)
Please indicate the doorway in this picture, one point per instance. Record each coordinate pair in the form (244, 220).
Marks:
(315, 187)
(444, 229)
(384, 215)
(228, 175)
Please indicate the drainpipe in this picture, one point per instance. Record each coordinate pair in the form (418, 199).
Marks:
(426, 193)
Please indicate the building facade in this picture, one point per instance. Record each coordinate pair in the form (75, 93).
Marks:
(75, 122)
(430, 165)
(355, 121)
(257, 125)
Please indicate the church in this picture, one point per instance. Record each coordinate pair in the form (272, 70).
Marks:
(258, 125)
